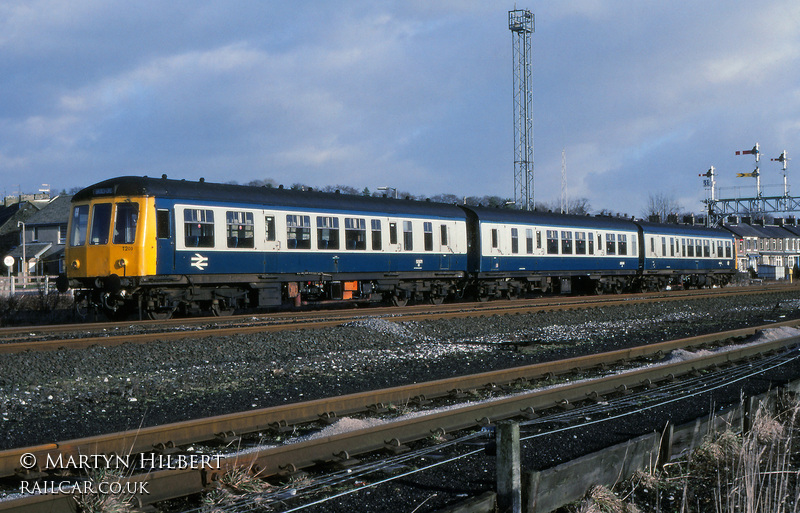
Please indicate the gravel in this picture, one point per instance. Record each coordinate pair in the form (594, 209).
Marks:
(59, 395)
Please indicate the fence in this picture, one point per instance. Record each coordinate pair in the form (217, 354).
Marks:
(12, 285)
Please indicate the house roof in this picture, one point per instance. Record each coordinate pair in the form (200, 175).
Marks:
(56, 212)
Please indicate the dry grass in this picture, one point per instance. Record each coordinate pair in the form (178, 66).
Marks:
(754, 473)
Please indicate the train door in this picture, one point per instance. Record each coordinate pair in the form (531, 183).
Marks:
(165, 237)
(444, 241)
(271, 243)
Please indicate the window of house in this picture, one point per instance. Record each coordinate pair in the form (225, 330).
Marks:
(298, 232)
(62, 233)
(355, 233)
(239, 229)
(327, 232)
(125, 223)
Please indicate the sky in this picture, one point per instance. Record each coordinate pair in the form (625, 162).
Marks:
(641, 95)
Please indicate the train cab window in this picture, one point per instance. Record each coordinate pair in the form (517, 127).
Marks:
(622, 244)
(162, 224)
(529, 241)
(706, 249)
(269, 227)
(377, 244)
(392, 233)
(327, 232)
(580, 243)
(495, 239)
(80, 222)
(355, 234)
(552, 242)
(101, 223)
(611, 244)
(514, 240)
(443, 234)
(198, 227)
(298, 232)
(427, 230)
(240, 230)
(125, 223)
(566, 243)
(408, 236)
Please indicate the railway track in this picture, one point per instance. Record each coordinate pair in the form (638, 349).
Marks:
(168, 439)
(48, 338)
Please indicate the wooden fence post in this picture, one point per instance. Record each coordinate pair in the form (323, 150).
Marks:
(509, 479)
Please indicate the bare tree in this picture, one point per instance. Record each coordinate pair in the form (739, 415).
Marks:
(662, 205)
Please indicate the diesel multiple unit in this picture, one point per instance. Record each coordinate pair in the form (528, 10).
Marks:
(160, 245)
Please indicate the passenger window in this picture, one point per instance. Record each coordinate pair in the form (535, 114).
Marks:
(672, 246)
(240, 229)
(495, 240)
(377, 244)
(663, 246)
(269, 226)
(566, 243)
(408, 236)
(591, 244)
(580, 243)
(198, 227)
(552, 242)
(327, 232)
(125, 223)
(706, 249)
(611, 246)
(683, 248)
(298, 232)
(355, 234)
(514, 240)
(538, 239)
(392, 233)
(529, 241)
(622, 245)
(101, 223)
(727, 249)
(443, 234)
(427, 229)
(80, 223)
(162, 224)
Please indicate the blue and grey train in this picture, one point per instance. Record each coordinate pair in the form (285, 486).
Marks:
(158, 246)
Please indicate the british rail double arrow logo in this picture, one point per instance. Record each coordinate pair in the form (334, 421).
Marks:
(199, 261)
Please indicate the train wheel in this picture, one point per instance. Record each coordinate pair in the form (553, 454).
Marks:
(160, 315)
(220, 308)
(399, 301)
(436, 300)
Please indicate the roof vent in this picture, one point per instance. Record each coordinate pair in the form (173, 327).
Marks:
(164, 176)
(202, 179)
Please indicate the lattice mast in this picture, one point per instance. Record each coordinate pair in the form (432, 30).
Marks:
(520, 22)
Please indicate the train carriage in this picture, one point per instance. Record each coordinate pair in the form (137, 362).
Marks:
(550, 252)
(160, 244)
(685, 255)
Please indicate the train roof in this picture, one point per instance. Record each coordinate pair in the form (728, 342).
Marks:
(263, 196)
(682, 229)
(505, 215)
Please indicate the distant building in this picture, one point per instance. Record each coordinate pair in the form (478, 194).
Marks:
(45, 235)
